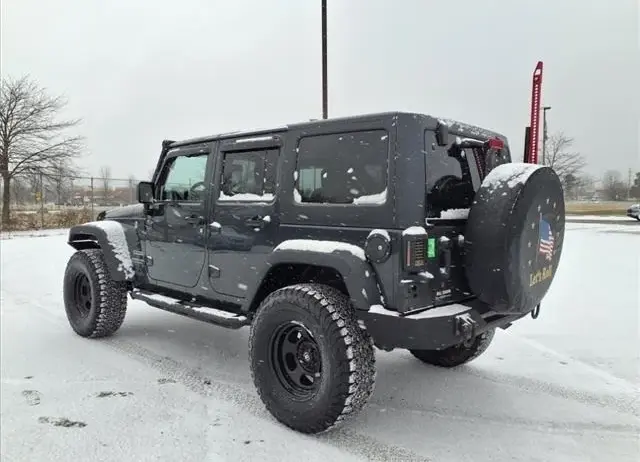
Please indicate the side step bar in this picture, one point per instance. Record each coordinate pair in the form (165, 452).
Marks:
(198, 312)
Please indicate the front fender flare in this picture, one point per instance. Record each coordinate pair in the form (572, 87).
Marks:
(114, 239)
(357, 273)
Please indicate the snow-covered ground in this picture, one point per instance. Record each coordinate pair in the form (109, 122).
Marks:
(561, 388)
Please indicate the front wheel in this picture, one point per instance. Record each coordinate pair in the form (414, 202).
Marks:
(311, 363)
(95, 304)
(456, 355)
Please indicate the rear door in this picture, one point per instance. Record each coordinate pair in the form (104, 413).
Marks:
(453, 175)
(245, 214)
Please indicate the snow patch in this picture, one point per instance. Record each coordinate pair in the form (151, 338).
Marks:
(379, 309)
(246, 197)
(267, 219)
(254, 139)
(215, 225)
(161, 298)
(448, 310)
(414, 231)
(312, 245)
(455, 214)
(509, 175)
(379, 198)
(426, 274)
(216, 312)
(118, 242)
(296, 195)
(382, 232)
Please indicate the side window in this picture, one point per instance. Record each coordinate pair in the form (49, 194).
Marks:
(249, 175)
(344, 168)
(183, 179)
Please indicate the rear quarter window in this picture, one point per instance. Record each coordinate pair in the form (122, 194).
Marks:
(343, 168)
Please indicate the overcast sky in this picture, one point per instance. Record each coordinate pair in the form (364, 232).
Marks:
(139, 71)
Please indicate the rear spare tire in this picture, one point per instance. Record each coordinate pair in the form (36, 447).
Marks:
(514, 236)
(312, 365)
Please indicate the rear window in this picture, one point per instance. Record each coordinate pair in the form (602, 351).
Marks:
(343, 168)
(452, 178)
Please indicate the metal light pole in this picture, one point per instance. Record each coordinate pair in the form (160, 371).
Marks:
(325, 99)
(544, 132)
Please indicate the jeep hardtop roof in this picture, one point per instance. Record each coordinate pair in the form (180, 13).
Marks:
(455, 127)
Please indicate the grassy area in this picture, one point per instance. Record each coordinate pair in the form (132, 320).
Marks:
(604, 208)
(62, 219)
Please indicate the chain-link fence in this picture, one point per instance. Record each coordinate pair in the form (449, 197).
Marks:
(42, 202)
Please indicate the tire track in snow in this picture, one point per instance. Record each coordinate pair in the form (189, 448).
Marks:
(343, 438)
(542, 426)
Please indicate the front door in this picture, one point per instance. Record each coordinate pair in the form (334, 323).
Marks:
(176, 223)
(245, 221)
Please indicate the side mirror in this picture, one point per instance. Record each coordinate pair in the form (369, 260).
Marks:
(442, 134)
(145, 192)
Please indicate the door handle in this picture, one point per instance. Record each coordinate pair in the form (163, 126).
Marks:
(255, 222)
(194, 219)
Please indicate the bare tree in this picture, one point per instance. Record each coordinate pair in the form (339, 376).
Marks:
(586, 187)
(567, 163)
(614, 187)
(634, 190)
(133, 186)
(32, 137)
(61, 178)
(105, 176)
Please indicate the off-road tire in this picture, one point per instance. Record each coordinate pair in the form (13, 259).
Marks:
(347, 357)
(456, 355)
(107, 302)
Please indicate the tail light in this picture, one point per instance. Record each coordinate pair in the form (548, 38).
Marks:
(415, 252)
(495, 144)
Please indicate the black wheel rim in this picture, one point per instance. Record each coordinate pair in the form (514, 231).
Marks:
(296, 359)
(82, 295)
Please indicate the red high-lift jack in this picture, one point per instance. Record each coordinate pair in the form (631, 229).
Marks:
(531, 134)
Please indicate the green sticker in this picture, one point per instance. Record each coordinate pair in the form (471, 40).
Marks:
(431, 248)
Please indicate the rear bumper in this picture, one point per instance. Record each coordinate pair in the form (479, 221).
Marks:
(431, 329)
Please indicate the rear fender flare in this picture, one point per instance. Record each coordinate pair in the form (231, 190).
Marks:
(357, 274)
(114, 239)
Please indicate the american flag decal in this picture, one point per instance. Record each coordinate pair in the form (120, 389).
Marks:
(545, 246)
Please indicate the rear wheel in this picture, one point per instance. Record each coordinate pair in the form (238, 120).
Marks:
(311, 363)
(95, 304)
(456, 355)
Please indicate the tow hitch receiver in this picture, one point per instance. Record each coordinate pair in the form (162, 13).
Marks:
(465, 326)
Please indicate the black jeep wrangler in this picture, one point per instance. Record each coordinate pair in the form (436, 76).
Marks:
(328, 238)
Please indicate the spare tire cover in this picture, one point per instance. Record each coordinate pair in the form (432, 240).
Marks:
(514, 236)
